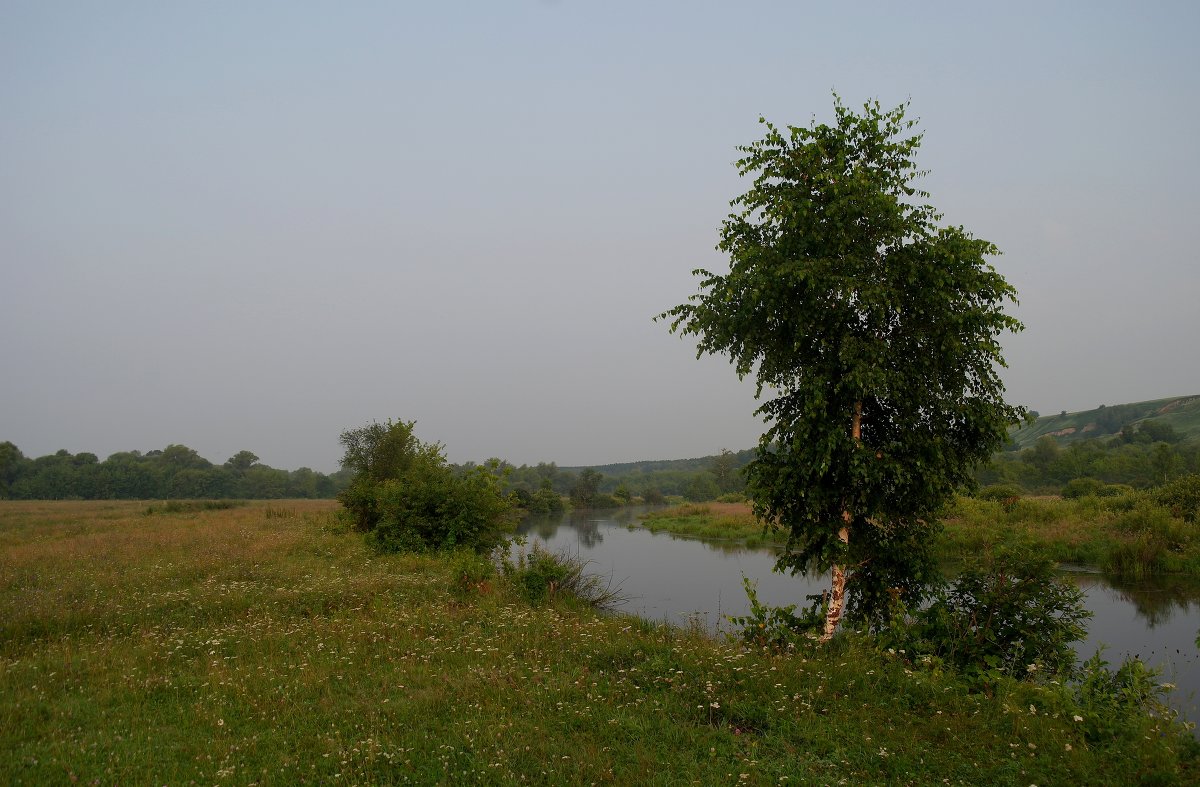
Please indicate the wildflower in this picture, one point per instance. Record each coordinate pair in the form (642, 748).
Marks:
(1077, 717)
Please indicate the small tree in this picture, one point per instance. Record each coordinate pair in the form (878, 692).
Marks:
(405, 495)
(876, 332)
(585, 490)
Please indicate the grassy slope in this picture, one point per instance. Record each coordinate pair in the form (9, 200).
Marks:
(1181, 412)
(262, 645)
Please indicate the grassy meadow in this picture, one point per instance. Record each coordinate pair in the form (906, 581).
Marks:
(265, 644)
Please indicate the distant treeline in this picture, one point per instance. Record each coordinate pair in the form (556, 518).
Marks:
(601, 486)
(176, 472)
(1147, 453)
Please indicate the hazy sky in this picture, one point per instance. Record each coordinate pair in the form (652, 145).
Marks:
(251, 225)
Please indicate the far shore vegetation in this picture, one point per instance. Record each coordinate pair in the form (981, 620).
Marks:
(1129, 534)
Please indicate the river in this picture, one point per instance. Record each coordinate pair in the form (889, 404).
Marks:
(687, 581)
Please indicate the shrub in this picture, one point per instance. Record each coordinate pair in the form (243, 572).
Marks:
(472, 573)
(1118, 701)
(778, 627)
(653, 496)
(999, 492)
(407, 498)
(1081, 487)
(538, 575)
(1181, 496)
(1003, 613)
(546, 501)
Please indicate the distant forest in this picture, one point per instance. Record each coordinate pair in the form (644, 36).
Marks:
(176, 472)
(1137, 445)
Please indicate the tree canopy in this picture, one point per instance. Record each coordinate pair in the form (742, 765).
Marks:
(873, 332)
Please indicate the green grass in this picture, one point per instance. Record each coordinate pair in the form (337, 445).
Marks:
(712, 521)
(265, 644)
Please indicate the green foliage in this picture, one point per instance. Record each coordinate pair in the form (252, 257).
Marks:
(539, 575)
(1182, 496)
(546, 501)
(1119, 702)
(1081, 487)
(779, 628)
(999, 492)
(407, 498)
(1006, 613)
(1156, 541)
(176, 472)
(653, 496)
(586, 490)
(471, 573)
(844, 294)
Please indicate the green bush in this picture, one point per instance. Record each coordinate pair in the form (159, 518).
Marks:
(1081, 487)
(1181, 496)
(545, 501)
(1007, 612)
(999, 492)
(407, 498)
(472, 573)
(1084, 487)
(1116, 702)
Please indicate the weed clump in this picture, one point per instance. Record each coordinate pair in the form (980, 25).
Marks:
(539, 575)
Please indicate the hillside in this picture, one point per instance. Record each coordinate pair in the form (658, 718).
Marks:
(695, 464)
(1182, 413)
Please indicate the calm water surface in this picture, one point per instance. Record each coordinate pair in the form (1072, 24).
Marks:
(681, 580)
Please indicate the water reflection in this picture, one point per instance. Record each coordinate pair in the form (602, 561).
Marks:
(1156, 601)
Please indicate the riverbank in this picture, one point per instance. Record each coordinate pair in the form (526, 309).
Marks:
(266, 644)
(1126, 537)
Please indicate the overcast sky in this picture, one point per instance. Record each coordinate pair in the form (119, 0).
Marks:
(251, 225)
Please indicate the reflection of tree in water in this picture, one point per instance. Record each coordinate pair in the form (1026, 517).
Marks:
(1156, 600)
(587, 526)
(541, 525)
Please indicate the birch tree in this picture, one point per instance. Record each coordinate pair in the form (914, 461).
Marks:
(873, 334)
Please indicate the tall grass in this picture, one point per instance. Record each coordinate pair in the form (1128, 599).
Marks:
(233, 646)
